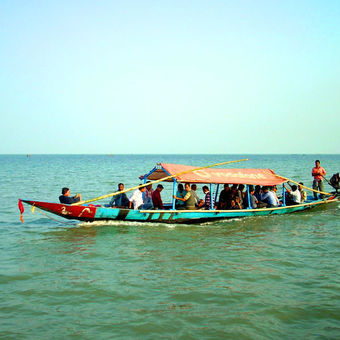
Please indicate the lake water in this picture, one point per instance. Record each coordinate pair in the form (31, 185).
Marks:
(273, 277)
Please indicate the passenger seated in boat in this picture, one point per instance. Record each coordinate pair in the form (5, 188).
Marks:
(274, 191)
(156, 197)
(147, 204)
(241, 193)
(233, 191)
(232, 195)
(120, 200)
(199, 202)
(234, 188)
(258, 192)
(225, 198)
(268, 198)
(207, 200)
(65, 198)
(188, 199)
(235, 204)
(253, 200)
(303, 193)
(136, 199)
(293, 196)
(180, 193)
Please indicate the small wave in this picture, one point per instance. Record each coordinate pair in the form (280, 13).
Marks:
(123, 224)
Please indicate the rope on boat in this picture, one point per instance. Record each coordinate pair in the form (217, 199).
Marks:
(157, 181)
(320, 192)
(51, 218)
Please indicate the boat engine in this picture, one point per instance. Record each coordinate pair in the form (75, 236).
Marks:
(334, 182)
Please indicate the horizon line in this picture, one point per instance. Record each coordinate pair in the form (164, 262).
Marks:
(145, 154)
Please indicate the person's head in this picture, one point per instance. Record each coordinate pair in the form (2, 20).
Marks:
(237, 199)
(160, 187)
(120, 186)
(65, 191)
(251, 190)
(300, 186)
(257, 188)
(241, 187)
(149, 186)
(180, 187)
(226, 186)
(193, 187)
(294, 187)
(187, 186)
(317, 163)
(264, 189)
(232, 203)
(142, 189)
(205, 189)
(274, 188)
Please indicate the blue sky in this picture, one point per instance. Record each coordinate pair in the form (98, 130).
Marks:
(170, 76)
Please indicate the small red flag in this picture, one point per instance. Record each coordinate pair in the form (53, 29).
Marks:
(21, 208)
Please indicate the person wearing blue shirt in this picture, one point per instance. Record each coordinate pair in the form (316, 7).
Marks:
(268, 197)
(120, 200)
(65, 198)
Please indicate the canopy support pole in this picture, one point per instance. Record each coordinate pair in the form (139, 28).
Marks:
(211, 198)
(248, 195)
(216, 193)
(173, 194)
(145, 178)
(283, 195)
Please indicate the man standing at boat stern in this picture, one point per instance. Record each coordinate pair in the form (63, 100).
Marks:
(318, 172)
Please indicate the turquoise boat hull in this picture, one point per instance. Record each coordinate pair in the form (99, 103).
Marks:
(92, 213)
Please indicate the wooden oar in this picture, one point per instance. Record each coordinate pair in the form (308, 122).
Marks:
(156, 181)
(320, 192)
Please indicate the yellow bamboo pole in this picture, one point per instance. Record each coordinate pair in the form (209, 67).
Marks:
(157, 181)
(320, 192)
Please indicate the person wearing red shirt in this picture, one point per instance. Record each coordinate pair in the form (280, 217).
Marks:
(318, 172)
(156, 197)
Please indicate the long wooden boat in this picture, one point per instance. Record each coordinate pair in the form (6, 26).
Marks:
(90, 213)
(93, 213)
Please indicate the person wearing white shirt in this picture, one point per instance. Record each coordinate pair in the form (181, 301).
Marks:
(274, 191)
(136, 199)
(294, 195)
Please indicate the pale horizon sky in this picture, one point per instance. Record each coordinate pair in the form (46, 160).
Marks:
(171, 77)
